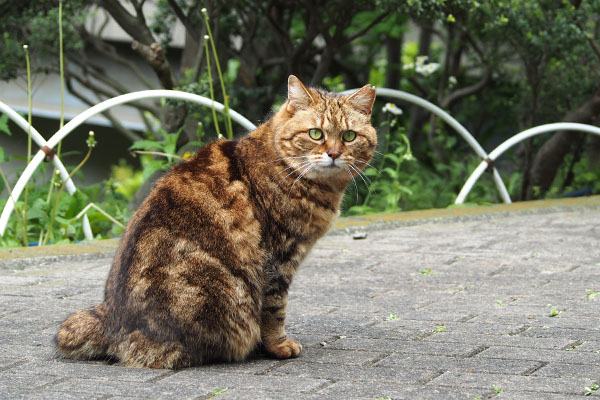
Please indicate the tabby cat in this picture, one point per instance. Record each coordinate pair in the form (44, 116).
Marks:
(203, 268)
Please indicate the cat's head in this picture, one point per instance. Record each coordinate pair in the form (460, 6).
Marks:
(325, 135)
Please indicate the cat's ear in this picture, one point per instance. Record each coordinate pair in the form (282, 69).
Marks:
(363, 99)
(299, 96)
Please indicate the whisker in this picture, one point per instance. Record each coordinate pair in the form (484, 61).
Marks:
(300, 176)
(302, 165)
(362, 176)
(370, 165)
(353, 181)
(288, 158)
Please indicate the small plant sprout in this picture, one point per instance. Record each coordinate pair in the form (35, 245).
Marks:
(554, 313)
(391, 317)
(217, 392)
(500, 303)
(575, 345)
(497, 389)
(439, 329)
(592, 294)
(427, 271)
(589, 390)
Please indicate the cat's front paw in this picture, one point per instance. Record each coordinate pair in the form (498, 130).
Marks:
(289, 348)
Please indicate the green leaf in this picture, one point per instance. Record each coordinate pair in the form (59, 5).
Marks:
(393, 157)
(4, 124)
(153, 166)
(391, 172)
(146, 145)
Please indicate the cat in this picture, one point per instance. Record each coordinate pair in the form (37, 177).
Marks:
(203, 268)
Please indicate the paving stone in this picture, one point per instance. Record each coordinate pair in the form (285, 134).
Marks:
(374, 321)
(519, 353)
(414, 347)
(513, 383)
(351, 372)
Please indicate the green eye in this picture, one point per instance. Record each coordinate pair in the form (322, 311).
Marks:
(315, 134)
(349, 136)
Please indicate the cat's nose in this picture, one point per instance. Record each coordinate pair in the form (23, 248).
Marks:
(334, 153)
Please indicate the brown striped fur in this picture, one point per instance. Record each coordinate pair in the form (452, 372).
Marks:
(202, 270)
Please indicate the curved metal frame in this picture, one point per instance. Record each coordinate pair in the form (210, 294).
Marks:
(457, 126)
(507, 144)
(40, 141)
(80, 119)
(240, 119)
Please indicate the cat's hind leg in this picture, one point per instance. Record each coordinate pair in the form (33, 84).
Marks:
(138, 350)
(81, 335)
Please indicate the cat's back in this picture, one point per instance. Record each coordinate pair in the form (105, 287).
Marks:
(198, 209)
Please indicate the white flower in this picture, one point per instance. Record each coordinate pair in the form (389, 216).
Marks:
(392, 108)
(421, 60)
(408, 66)
(427, 69)
(219, 136)
(452, 81)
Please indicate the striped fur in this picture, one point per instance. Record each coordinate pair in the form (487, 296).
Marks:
(203, 269)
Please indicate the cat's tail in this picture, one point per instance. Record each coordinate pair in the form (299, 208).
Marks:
(81, 336)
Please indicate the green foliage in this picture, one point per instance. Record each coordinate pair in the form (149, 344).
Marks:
(161, 154)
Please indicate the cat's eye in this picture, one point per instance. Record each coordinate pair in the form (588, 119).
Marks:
(349, 136)
(315, 134)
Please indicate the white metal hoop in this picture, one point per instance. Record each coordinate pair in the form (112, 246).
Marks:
(90, 112)
(41, 142)
(457, 126)
(507, 144)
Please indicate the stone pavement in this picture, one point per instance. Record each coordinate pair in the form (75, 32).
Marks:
(504, 303)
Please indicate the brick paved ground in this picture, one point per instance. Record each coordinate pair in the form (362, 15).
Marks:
(499, 305)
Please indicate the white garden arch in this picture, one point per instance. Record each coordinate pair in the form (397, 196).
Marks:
(47, 146)
(519, 137)
(80, 119)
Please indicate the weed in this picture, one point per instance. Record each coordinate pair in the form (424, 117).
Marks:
(391, 317)
(589, 390)
(439, 329)
(217, 392)
(497, 389)
(592, 294)
(554, 313)
(500, 303)
(427, 271)
(575, 345)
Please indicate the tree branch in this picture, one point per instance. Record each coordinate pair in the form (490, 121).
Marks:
(116, 124)
(466, 91)
(366, 29)
(155, 56)
(129, 23)
(184, 20)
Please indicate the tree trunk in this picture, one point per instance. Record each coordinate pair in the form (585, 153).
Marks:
(551, 155)
(393, 74)
(418, 116)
